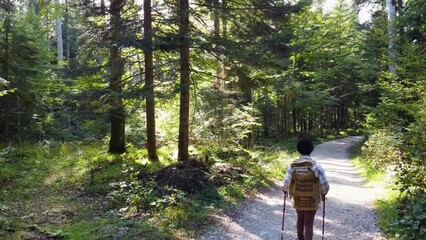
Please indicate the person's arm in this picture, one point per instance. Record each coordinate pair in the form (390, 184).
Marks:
(287, 179)
(325, 186)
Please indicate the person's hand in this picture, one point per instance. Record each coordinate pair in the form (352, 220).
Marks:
(284, 189)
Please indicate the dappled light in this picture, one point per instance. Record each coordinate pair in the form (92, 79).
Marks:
(157, 119)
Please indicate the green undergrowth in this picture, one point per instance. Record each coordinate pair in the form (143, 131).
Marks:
(400, 216)
(60, 191)
(373, 177)
(55, 190)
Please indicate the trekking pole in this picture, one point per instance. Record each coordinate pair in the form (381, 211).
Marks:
(323, 215)
(282, 223)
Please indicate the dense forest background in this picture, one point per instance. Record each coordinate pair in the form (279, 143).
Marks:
(158, 85)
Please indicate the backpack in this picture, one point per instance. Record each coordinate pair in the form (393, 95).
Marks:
(304, 185)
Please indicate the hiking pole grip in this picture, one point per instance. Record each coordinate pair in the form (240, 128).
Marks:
(282, 223)
(323, 215)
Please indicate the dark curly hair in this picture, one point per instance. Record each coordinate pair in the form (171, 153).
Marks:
(305, 146)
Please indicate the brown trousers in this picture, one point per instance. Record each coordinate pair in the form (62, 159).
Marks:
(305, 224)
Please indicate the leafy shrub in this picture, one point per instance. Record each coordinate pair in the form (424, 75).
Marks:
(411, 220)
(11, 153)
(405, 151)
(412, 170)
(383, 149)
(94, 129)
(53, 130)
(133, 195)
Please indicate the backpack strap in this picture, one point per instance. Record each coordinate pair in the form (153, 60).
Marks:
(301, 166)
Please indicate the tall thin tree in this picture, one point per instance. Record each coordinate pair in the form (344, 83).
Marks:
(59, 41)
(67, 32)
(183, 144)
(216, 31)
(149, 83)
(391, 11)
(116, 67)
(7, 7)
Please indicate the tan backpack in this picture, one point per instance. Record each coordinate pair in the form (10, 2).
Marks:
(304, 185)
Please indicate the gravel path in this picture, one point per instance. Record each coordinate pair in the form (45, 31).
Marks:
(349, 212)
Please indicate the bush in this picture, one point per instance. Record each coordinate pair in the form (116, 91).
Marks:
(411, 220)
(383, 149)
(404, 153)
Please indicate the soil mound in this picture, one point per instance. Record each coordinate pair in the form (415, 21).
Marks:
(190, 176)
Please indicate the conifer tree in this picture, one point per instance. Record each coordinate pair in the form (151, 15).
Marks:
(117, 142)
(184, 80)
(149, 83)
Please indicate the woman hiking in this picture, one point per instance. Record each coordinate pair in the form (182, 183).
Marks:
(307, 184)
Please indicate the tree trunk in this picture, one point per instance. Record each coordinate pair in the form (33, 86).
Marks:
(103, 8)
(184, 81)
(116, 64)
(303, 121)
(6, 107)
(149, 84)
(218, 86)
(337, 111)
(285, 114)
(216, 32)
(321, 123)
(310, 121)
(278, 119)
(266, 114)
(59, 43)
(293, 113)
(19, 127)
(224, 74)
(392, 35)
(67, 34)
(251, 138)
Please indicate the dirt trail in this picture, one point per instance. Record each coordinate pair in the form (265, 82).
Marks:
(349, 213)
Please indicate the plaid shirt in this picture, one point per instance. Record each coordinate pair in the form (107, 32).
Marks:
(319, 171)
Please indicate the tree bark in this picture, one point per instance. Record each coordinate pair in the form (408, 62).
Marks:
(218, 86)
(293, 113)
(149, 84)
(337, 114)
(184, 81)
(216, 31)
(310, 121)
(59, 42)
(224, 73)
(266, 114)
(116, 64)
(67, 34)
(392, 35)
(19, 127)
(6, 107)
(321, 123)
(278, 119)
(285, 115)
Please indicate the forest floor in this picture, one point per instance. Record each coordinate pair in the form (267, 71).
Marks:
(349, 213)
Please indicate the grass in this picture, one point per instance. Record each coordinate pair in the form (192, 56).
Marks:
(373, 177)
(65, 191)
(59, 190)
(386, 204)
(386, 210)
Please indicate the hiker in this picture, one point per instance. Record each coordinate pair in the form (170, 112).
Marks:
(307, 184)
